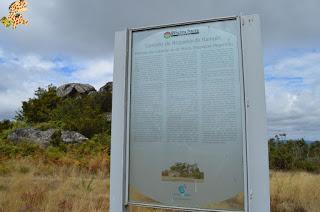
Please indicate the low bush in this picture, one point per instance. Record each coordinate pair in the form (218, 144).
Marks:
(48, 125)
(24, 169)
(294, 155)
(27, 148)
(5, 125)
(56, 139)
(54, 153)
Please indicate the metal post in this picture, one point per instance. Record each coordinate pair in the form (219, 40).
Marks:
(118, 137)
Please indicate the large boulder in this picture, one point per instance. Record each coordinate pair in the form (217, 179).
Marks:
(106, 88)
(71, 137)
(75, 89)
(44, 138)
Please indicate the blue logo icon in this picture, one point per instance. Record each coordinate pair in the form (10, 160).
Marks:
(182, 189)
(182, 193)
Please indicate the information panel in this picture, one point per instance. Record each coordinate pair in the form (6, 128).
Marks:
(186, 115)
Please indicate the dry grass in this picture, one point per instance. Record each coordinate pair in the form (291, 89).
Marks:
(27, 186)
(290, 192)
(35, 186)
(295, 192)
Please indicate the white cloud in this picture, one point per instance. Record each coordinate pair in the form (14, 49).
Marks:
(86, 28)
(96, 73)
(21, 75)
(293, 97)
(32, 62)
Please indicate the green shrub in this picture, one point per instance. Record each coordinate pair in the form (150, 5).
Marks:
(103, 139)
(54, 153)
(56, 139)
(15, 125)
(81, 115)
(88, 148)
(39, 109)
(48, 125)
(22, 149)
(103, 101)
(19, 124)
(5, 125)
(294, 155)
(27, 148)
(24, 169)
(309, 166)
(4, 134)
(7, 150)
(85, 114)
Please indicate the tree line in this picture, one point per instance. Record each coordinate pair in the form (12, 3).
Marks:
(294, 155)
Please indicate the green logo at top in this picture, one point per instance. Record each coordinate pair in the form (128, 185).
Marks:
(176, 33)
(167, 35)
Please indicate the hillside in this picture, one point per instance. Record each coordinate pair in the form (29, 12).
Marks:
(48, 125)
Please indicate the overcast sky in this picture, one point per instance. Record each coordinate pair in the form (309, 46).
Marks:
(72, 41)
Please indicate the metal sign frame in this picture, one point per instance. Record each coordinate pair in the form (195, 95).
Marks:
(255, 155)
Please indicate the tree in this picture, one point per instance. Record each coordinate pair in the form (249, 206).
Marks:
(5, 124)
(39, 109)
(294, 154)
(83, 115)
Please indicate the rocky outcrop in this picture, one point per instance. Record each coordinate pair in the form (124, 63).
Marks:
(106, 88)
(71, 137)
(75, 89)
(44, 138)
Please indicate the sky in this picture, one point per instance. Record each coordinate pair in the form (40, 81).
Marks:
(72, 41)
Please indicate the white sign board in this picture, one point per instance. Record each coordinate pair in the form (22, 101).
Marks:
(184, 142)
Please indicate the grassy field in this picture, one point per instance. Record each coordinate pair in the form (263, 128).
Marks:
(295, 191)
(29, 185)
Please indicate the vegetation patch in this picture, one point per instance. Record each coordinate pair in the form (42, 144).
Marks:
(182, 172)
(294, 155)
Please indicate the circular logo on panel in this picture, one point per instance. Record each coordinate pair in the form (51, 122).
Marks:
(167, 35)
(182, 189)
